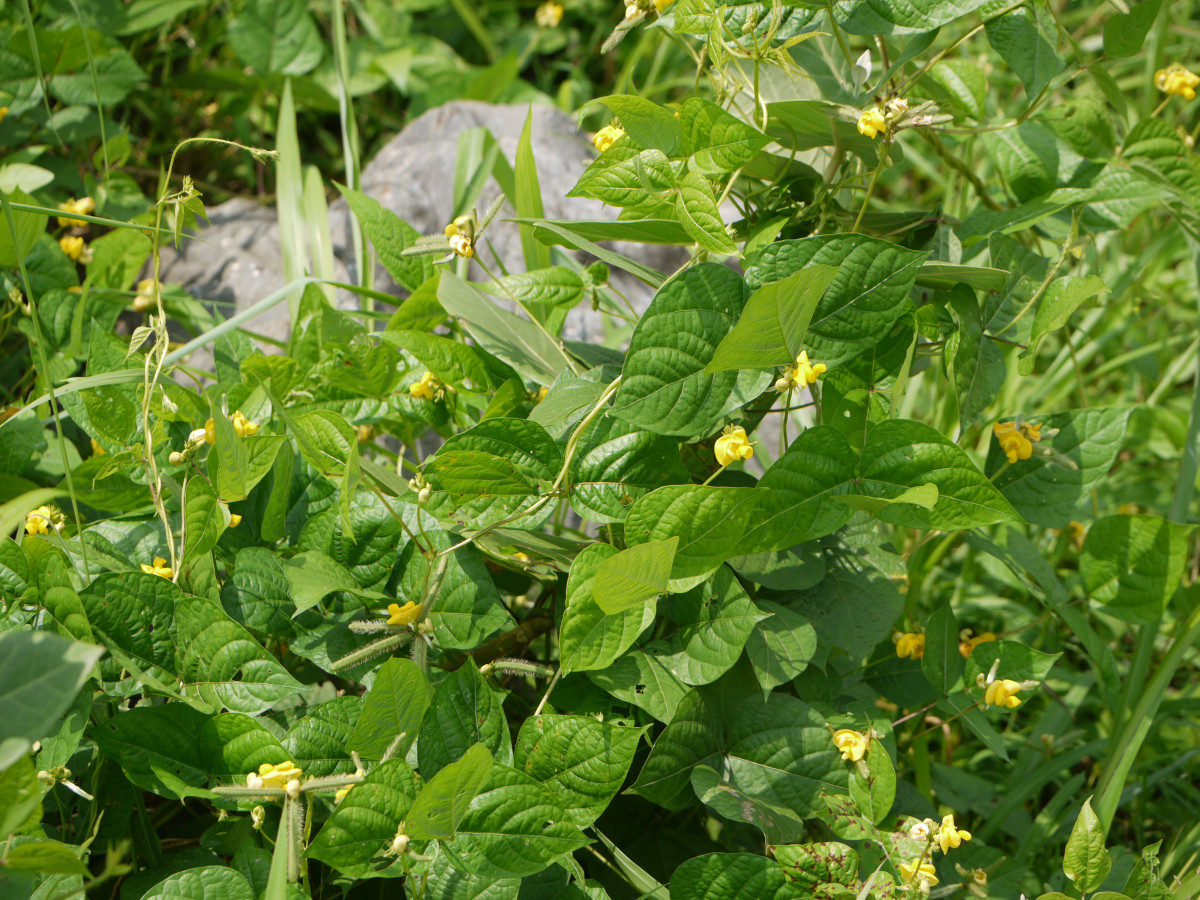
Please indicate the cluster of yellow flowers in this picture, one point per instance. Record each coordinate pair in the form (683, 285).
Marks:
(407, 614)
(732, 445)
(920, 872)
(607, 136)
(428, 388)
(549, 14)
(462, 236)
(159, 568)
(802, 373)
(1017, 440)
(874, 122)
(241, 425)
(75, 249)
(1177, 81)
(45, 519)
(852, 744)
(285, 776)
(84, 206)
(909, 645)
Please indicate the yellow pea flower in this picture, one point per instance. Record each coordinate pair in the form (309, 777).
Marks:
(75, 249)
(1177, 81)
(853, 744)
(872, 123)
(549, 14)
(1003, 692)
(341, 795)
(160, 568)
(426, 388)
(967, 644)
(44, 519)
(949, 836)
(910, 645)
(732, 445)
(462, 236)
(541, 394)
(803, 372)
(1014, 441)
(3, 112)
(276, 777)
(145, 299)
(607, 136)
(919, 874)
(243, 426)
(210, 432)
(406, 614)
(234, 520)
(84, 206)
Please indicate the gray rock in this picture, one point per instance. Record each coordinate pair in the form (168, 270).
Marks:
(236, 260)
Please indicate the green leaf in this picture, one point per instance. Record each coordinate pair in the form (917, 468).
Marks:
(853, 607)
(960, 83)
(1027, 157)
(1134, 564)
(777, 824)
(28, 227)
(633, 576)
(40, 674)
(979, 369)
(326, 440)
(965, 708)
(772, 327)
(589, 638)
(473, 473)
(646, 123)
(1124, 33)
(1085, 861)
(366, 820)
(527, 197)
(172, 749)
(41, 855)
(1017, 661)
(553, 286)
(513, 829)
(925, 496)
(819, 863)
(391, 236)
(642, 679)
(732, 876)
(642, 181)
(466, 608)
(446, 883)
(151, 629)
(443, 801)
(240, 463)
(582, 761)
(1062, 298)
(519, 342)
(205, 881)
(712, 624)
(20, 797)
(873, 17)
(665, 389)
(393, 709)
(1021, 42)
(942, 663)
(466, 711)
(874, 793)
(718, 143)
(276, 36)
(868, 294)
(1047, 492)
(312, 576)
(697, 210)
(900, 454)
(453, 362)
(616, 465)
(695, 736)
(781, 646)
(204, 520)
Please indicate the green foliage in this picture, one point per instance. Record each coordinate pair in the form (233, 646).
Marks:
(854, 560)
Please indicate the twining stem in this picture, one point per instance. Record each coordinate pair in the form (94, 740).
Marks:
(883, 156)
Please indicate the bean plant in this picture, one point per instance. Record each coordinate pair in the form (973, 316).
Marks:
(858, 560)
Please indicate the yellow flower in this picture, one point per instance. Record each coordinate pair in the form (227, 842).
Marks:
(3, 112)
(364, 433)
(145, 299)
(607, 136)
(97, 450)
(406, 614)
(160, 568)
(462, 236)
(920, 874)
(1003, 692)
(340, 795)
(276, 777)
(949, 836)
(1013, 441)
(549, 14)
(426, 388)
(243, 426)
(872, 123)
(797, 376)
(1177, 81)
(853, 744)
(210, 432)
(733, 445)
(541, 394)
(521, 557)
(661, 5)
(44, 519)
(968, 644)
(84, 206)
(910, 645)
(75, 249)
(234, 520)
